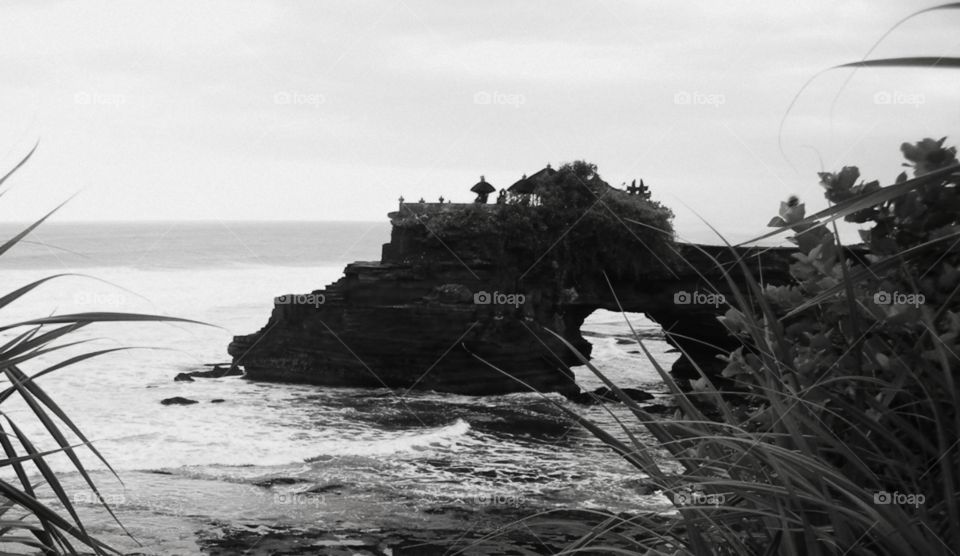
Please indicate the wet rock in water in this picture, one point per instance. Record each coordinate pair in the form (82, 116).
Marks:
(182, 377)
(583, 398)
(453, 530)
(625, 341)
(278, 481)
(605, 395)
(218, 400)
(641, 487)
(658, 409)
(218, 371)
(634, 394)
(178, 401)
(327, 489)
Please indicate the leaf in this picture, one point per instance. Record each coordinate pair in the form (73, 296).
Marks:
(10, 243)
(856, 204)
(906, 62)
(873, 270)
(100, 317)
(44, 512)
(733, 319)
(22, 162)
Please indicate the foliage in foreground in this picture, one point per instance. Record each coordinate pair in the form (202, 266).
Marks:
(25, 521)
(845, 442)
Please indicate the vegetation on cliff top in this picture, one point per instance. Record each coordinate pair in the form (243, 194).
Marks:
(574, 221)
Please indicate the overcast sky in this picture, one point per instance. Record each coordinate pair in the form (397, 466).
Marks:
(331, 110)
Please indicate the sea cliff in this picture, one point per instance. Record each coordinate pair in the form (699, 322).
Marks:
(426, 314)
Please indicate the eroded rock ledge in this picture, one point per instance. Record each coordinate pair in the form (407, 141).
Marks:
(411, 321)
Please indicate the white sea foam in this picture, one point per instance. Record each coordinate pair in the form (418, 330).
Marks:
(440, 437)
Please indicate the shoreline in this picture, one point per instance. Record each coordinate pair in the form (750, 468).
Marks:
(452, 530)
(172, 513)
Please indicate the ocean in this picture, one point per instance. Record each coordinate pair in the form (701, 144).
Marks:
(324, 457)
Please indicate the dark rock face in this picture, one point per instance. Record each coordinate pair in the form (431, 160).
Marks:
(386, 324)
(419, 319)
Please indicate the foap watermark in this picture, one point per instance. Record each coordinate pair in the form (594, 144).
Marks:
(896, 97)
(484, 298)
(708, 99)
(296, 97)
(90, 497)
(299, 499)
(697, 298)
(315, 299)
(693, 498)
(90, 98)
(897, 298)
(897, 498)
(498, 499)
(509, 99)
(168, 506)
(97, 298)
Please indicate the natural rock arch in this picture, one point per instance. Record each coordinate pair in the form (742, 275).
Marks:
(410, 321)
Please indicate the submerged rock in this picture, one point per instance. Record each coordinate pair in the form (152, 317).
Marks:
(328, 489)
(278, 481)
(453, 529)
(218, 372)
(603, 395)
(659, 409)
(178, 401)
(183, 377)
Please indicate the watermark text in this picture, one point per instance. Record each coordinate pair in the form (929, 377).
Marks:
(484, 298)
(897, 298)
(508, 99)
(697, 298)
(315, 299)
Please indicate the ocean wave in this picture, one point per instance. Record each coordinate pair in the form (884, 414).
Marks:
(404, 442)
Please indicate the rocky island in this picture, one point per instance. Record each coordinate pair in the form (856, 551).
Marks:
(463, 288)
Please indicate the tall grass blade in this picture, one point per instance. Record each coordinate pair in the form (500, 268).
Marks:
(99, 317)
(22, 162)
